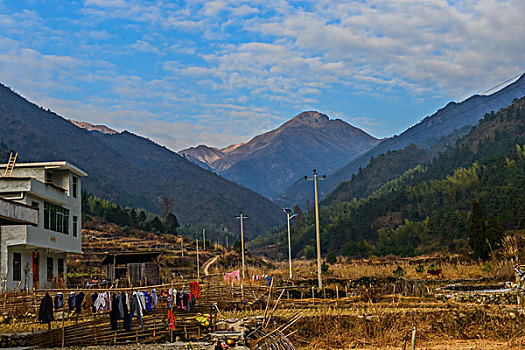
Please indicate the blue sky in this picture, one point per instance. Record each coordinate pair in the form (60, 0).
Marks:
(220, 72)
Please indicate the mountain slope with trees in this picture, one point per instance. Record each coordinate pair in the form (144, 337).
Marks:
(130, 170)
(426, 133)
(427, 208)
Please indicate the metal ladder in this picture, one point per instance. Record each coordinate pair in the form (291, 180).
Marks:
(10, 164)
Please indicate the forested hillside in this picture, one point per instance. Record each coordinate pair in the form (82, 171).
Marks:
(427, 208)
(424, 134)
(130, 170)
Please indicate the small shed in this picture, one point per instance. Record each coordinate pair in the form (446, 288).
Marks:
(139, 268)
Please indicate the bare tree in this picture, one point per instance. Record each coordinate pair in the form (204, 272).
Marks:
(166, 204)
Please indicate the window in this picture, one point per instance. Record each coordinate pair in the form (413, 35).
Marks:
(34, 204)
(49, 268)
(60, 262)
(49, 176)
(56, 218)
(75, 226)
(17, 266)
(75, 186)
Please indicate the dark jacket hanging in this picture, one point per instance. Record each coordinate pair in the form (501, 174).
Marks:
(127, 315)
(71, 301)
(59, 301)
(113, 314)
(79, 298)
(45, 313)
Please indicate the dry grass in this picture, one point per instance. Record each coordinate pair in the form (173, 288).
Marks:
(500, 270)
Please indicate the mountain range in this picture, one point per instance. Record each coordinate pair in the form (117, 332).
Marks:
(272, 161)
(131, 170)
(426, 208)
(454, 117)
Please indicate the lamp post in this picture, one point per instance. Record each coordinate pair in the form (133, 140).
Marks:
(241, 217)
(289, 211)
(317, 234)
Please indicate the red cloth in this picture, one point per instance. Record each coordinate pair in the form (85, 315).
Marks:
(195, 289)
(171, 320)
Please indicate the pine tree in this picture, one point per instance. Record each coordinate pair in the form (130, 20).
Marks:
(477, 232)
(494, 232)
(171, 223)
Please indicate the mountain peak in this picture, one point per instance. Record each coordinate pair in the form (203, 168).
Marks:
(311, 117)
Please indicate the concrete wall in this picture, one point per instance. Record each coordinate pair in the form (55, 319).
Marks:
(37, 192)
(10, 210)
(27, 270)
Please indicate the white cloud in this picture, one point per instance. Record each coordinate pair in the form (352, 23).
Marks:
(231, 69)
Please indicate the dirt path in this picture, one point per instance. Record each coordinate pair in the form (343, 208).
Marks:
(207, 264)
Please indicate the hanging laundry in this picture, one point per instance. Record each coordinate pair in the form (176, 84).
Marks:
(171, 320)
(126, 314)
(71, 301)
(268, 281)
(232, 276)
(59, 301)
(186, 302)
(136, 309)
(114, 313)
(154, 299)
(78, 302)
(45, 313)
(147, 299)
(100, 303)
(120, 305)
(94, 297)
(142, 299)
(195, 289)
(107, 298)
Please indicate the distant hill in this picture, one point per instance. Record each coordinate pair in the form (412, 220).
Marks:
(424, 134)
(131, 170)
(272, 161)
(427, 208)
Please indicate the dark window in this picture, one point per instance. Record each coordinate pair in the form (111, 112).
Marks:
(56, 218)
(49, 268)
(60, 262)
(75, 226)
(75, 186)
(17, 266)
(34, 204)
(49, 176)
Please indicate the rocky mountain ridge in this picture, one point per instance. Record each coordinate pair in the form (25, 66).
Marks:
(271, 161)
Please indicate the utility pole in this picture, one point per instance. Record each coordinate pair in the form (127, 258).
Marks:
(203, 239)
(289, 211)
(240, 217)
(182, 246)
(317, 234)
(198, 269)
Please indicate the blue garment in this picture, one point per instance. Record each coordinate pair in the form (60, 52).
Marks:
(148, 301)
(268, 281)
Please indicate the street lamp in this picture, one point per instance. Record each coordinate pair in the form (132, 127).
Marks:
(317, 234)
(289, 214)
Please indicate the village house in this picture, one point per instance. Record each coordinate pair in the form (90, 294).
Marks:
(33, 254)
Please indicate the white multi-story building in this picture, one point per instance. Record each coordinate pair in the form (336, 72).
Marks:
(35, 256)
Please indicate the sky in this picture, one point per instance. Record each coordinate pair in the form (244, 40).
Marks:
(220, 72)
